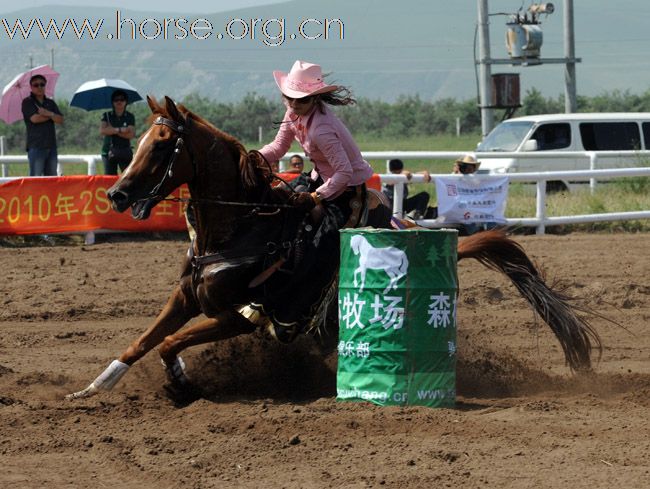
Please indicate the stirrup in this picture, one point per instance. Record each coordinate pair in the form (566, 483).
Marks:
(176, 372)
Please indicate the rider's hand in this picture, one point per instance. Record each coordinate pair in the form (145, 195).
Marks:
(302, 200)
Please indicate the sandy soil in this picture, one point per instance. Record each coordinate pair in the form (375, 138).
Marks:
(269, 417)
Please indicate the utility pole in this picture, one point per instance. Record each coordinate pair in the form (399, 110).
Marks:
(570, 101)
(485, 69)
(525, 55)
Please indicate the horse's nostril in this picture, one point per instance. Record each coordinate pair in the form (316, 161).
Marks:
(117, 196)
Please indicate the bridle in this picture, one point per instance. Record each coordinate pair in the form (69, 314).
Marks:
(180, 130)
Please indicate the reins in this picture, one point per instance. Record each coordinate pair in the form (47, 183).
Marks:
(181, 130)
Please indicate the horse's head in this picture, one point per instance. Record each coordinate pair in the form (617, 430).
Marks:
(355, 243)
(162, 162)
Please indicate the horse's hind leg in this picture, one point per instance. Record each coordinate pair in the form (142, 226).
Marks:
(174, 315)
(224, 325)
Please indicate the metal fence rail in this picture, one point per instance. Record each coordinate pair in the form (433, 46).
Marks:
(91, 162)
(540, 221)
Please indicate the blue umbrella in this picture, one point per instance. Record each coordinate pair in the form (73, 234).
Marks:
(96, 94)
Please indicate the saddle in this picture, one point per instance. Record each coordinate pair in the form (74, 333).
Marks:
(364, 201)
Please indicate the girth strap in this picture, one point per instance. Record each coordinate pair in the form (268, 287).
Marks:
(269, 248)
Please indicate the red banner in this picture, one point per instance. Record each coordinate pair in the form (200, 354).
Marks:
(76, 204)
(79, 203)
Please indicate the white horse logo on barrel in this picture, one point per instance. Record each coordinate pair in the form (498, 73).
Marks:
(391, 260)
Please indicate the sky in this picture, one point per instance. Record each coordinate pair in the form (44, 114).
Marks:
(188, 6)
(427, 44)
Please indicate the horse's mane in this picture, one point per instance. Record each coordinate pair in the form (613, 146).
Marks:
(252, 173)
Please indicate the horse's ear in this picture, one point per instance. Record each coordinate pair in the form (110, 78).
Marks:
(153, 104)
(172, 110)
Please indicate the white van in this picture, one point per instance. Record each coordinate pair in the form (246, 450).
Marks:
(566, 132)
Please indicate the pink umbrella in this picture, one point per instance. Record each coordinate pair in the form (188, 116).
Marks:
(18, 88)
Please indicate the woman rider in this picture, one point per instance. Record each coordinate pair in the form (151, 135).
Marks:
(339, 174)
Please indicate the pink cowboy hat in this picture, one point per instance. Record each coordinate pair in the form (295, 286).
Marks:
(303, 80)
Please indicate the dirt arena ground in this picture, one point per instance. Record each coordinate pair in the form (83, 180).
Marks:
(269, 417)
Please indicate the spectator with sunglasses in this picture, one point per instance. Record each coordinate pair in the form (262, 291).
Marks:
(118, 128)
(40, 114)
(296, 164)
(302, 182)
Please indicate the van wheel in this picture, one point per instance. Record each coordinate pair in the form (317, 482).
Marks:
(555, 186)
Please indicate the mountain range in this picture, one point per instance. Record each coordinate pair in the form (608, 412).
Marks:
(423, 47)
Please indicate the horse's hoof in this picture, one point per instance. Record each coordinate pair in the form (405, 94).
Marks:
(89, 391)
(284, 332)
(176, 371)
(182, 394)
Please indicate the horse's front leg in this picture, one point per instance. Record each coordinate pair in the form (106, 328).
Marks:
(362, 274)
(178, 311)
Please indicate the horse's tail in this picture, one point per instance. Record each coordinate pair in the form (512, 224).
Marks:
(495, 250)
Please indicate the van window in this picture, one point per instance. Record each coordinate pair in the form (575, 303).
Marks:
(507, 136)
(552, 136)
(646, 134)
(610, 136)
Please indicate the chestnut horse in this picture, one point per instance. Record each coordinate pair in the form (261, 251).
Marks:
(241, 222)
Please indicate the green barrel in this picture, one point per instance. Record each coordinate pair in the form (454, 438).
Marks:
(397, 317)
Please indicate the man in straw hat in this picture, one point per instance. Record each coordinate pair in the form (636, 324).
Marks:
(466, 165)
(339, 175)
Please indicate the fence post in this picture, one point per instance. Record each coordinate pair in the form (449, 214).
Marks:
(540, 211)
(92, 165)
(92, 170)
(398, 199)
(593, 159)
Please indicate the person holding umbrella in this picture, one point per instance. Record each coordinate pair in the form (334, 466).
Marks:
(118, 128)
(40, 113)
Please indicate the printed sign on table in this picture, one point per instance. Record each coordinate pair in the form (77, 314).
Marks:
(472, 198)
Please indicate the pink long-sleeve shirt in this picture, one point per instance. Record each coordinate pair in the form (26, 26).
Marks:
(328, 144)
